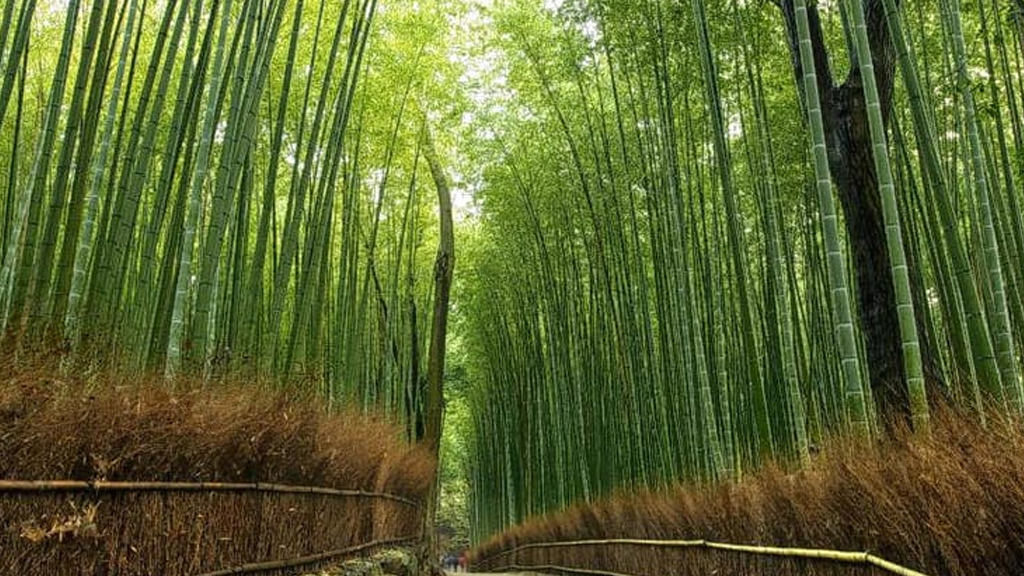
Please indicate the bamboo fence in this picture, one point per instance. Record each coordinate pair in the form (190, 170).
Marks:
(862, 558)
(64, 527)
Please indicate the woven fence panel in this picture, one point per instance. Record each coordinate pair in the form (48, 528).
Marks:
(176, 532)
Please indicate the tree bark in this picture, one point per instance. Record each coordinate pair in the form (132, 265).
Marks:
(848, 140)
(444, 267)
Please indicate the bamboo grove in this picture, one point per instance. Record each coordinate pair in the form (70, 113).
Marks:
(670, 276)
(220, 187)
(705, 233)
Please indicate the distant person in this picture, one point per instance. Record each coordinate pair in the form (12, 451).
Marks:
(462, 562)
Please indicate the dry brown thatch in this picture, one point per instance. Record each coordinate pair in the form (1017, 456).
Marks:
(57, 429)
(952, 505)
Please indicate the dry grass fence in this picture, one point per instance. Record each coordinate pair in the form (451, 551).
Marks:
(949, 506)
(225, 480)
(189, 529)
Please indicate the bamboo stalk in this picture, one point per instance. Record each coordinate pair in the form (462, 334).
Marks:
(891, 567)
(836, 555)
(813, 553)
(304, 560)
(566, 569)
(622, 541)
(105, 486)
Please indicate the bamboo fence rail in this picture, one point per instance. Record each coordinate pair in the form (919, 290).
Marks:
(105, 486)
(307, 560)
(810, 553)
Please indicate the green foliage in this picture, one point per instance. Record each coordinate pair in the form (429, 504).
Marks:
(225, 187)
(653, 282)
(651, 258)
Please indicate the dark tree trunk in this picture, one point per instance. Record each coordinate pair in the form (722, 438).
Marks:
(444, 268)
(853, 171)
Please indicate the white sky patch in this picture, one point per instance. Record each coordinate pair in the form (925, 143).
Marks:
(591, 31)
(827, 5)
(735, 127)
(464, 204)
(374, 181)
(484, 81)
(553, 5)
(53, 7)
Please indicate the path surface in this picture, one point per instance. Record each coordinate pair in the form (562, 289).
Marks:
(449, 573)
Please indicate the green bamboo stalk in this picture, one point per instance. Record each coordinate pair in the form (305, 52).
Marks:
(980, 341)
(84, 238)
(42, 271)
(911, 350)
(111, 263)
(9, 200)
(713, 100)
(16, 267)
(17, 53)
(197, 178)
(1001, 328)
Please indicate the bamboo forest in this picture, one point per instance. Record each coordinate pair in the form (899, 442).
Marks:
(576, 287)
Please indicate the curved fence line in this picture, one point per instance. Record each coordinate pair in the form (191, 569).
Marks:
(556, 568)
(105, 486)
(306, 560)
(810, 553)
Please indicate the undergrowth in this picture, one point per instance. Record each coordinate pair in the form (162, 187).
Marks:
(60, 426)
(57, 424)
(952, 505)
